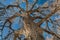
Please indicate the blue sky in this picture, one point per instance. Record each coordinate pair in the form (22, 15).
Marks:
(16, 25)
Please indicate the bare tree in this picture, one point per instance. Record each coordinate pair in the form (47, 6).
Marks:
(31, 29)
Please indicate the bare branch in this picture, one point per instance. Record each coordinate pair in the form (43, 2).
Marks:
(37, 10)
(11, 6)
(26, 5)
(52, 33)
(49, 15)
(38, 17)
(34, 4)
(15, 36)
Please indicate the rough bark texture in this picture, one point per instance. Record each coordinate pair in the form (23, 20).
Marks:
(31, 31)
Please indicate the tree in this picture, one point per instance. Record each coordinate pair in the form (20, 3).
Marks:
(31, 29)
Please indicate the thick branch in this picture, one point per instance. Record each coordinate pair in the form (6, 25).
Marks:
(38, 17)
(49, 15)
(15, 36)
(37, 9)
(52, 33)
(26, 5)
(11, 6)
(21, 9)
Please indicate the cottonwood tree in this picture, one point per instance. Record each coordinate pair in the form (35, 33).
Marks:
(32, 15)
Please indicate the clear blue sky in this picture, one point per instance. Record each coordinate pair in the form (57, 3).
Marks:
(16, 25)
